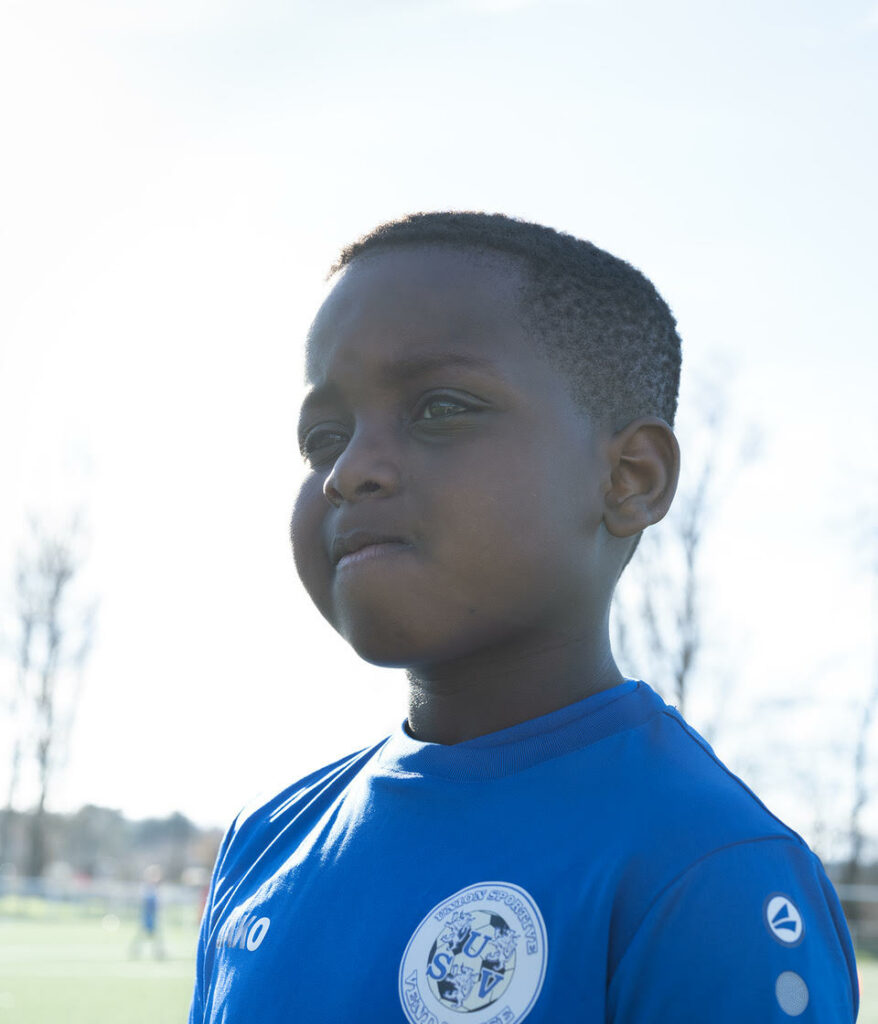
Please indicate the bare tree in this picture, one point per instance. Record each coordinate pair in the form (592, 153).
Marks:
(54, 637)
(14, 707)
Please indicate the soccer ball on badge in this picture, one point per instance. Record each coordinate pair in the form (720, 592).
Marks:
(472, 960)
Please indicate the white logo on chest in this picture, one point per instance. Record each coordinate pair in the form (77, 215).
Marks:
(243, 931)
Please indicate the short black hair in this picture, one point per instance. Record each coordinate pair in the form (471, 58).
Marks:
(600, 321)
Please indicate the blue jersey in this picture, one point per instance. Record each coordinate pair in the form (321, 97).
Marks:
(596, 864)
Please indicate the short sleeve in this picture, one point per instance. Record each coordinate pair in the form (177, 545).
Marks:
(752, 932)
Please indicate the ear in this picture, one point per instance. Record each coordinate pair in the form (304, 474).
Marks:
(644, 462)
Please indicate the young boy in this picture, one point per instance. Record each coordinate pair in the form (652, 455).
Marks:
(488, 434)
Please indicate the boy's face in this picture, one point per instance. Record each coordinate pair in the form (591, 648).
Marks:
(432, 418)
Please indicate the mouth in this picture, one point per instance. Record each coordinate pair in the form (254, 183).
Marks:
(371, 551)
(365, 544)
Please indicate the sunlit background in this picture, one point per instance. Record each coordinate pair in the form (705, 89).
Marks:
(177, 178)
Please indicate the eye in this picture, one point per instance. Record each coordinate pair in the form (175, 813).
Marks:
(442, 407)
(318, 444)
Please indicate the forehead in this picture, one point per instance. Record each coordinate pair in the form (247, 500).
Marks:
(389, 305)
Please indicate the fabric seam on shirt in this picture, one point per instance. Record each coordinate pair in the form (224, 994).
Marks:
(690, 732)
(512, 741)
(402, 773)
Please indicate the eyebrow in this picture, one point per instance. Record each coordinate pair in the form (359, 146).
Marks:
(407, 368)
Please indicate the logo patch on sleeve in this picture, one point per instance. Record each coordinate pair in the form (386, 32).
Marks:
(783, 920)
(480, 952)
(792, 993)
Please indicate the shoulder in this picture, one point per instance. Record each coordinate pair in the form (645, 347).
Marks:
(711, 883)
(669, 804)
(330, 777)
(680, 792)
(753, 930)
(259, 821)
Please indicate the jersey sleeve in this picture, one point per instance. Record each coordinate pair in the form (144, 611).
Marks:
(752, 932)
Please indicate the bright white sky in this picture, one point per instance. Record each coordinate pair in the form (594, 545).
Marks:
(177, 177)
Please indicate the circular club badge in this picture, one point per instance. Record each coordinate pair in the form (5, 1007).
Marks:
(481, 952)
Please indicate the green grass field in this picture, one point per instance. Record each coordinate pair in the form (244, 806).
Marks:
(57, 966)
(80, 971)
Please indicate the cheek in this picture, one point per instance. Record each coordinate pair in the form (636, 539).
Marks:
(525, 529)
(306, 536)
(511, 508)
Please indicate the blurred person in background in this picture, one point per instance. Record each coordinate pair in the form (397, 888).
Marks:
(148, 929)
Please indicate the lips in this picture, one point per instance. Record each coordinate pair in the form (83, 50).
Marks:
(347, 543)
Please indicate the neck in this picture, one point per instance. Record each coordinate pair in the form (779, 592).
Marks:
(480, 695)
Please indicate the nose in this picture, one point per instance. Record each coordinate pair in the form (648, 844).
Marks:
(368, 467)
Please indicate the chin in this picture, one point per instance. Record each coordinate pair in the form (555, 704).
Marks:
(399, 644)
(381, 643)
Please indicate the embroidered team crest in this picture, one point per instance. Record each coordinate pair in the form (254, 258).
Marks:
(481, 952)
